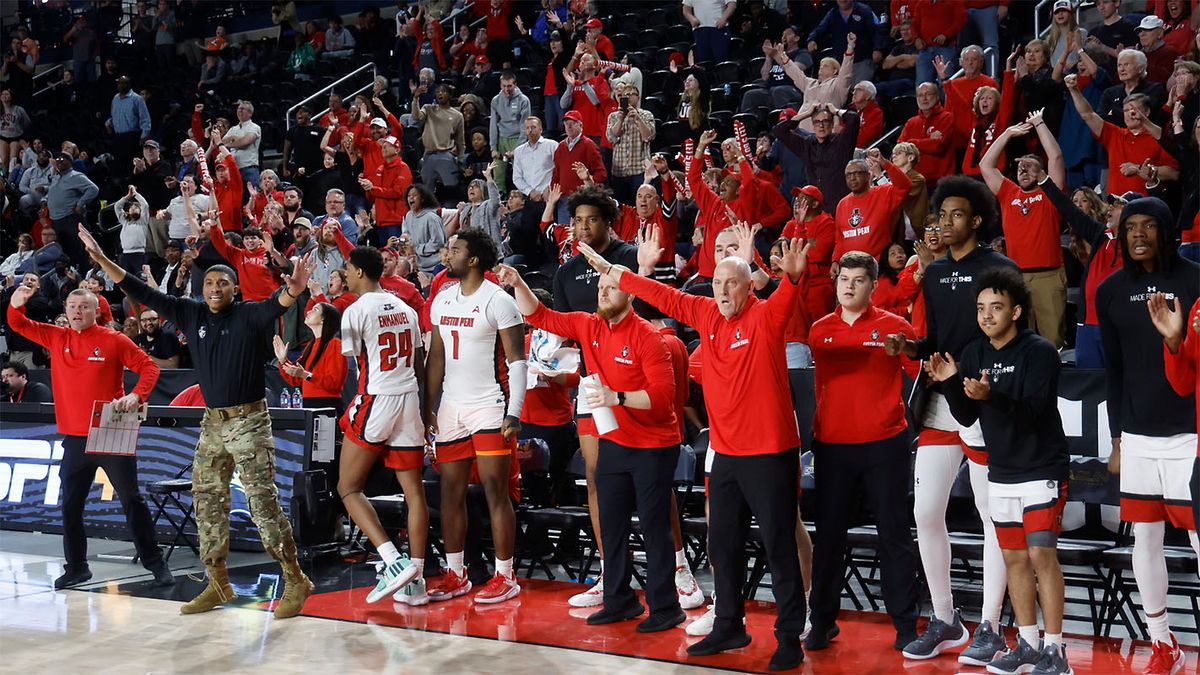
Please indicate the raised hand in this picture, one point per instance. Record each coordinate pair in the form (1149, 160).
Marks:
(598, 262)
(924, 255)
(1035, 117)
(941, 367)
(1072, 82)
(705, 138)
(1168, 319)
(649, 250)
(508, 276)
(744, 236)
(979, 390)
(89, 244)
(21, 295)
(794, 260)
(568, 77)
(940, 64)
(581, 171)
(280, 349)
(1018, 130)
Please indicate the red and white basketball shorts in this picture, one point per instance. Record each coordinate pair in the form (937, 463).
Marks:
(388, 423)
(466, 433)
(1155, 471)
(940, 428)
(1027, 514)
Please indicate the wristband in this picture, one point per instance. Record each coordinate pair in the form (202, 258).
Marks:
(620, 398)
(518, 382)
(288, 292)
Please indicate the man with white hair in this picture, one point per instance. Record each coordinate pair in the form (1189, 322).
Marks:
(1160, 56)
(960, 91)
(1131, 79)
(243, 140)
(870, 122)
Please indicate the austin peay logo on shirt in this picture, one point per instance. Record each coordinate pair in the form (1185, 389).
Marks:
(855, 220)
(202, 332)
(738, 342)
(624, 357)
(874, 341)
(1023, 204)
(96, 355)
(1150, 290)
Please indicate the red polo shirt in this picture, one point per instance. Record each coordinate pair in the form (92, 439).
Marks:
(630, 356)
(1125, 146)
(744, 369)
(1032, 227)
(858, 386)
(85, 367)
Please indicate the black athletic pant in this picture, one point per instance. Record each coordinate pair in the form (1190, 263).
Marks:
(78, 472)
(845, 475)
(763, 486)
(629, 479)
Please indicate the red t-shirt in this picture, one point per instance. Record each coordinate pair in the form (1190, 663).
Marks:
(255, 278)
(852, 369)
(408, 292)
(85, 367)
(1032, 227)
(866, 222)
(103, 311)
(1125, 146)
(549, 406)
(744, 369)
(630, 356)
(1105, 261)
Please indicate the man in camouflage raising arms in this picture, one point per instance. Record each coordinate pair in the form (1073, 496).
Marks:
(228, 342)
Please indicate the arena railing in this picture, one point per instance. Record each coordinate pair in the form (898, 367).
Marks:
(289, 116)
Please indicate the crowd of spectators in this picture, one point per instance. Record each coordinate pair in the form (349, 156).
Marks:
(491, 114)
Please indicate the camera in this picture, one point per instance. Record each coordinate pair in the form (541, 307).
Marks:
(624, 104)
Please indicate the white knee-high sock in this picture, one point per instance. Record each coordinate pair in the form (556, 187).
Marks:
(1195, 545)
(1150, 574)
(995, 574)
(935, 469)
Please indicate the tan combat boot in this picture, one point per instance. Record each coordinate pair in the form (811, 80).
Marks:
(296, 589)
(218, 592)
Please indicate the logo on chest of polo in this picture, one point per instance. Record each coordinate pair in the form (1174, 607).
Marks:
(738, 340)
(96, 356)
(624, 357)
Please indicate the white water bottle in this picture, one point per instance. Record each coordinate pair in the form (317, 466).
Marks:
(603, 416)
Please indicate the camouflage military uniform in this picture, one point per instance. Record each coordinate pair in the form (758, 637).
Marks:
(247, 443)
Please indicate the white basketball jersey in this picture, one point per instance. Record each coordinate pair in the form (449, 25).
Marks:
(383, 334)
(476, 369)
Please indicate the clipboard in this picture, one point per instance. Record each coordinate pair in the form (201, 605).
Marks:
(112, 432)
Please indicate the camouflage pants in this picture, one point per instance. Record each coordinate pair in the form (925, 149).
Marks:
(245, 442)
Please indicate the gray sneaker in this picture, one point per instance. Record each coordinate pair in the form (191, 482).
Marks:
(985, 646)
(1053, 661)
(938, 638)
(1019, 660)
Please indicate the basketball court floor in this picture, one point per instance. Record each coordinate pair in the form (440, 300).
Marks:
(119, 623)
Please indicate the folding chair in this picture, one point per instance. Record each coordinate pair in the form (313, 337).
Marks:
(164, 493)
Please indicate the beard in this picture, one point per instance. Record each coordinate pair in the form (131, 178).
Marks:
(610, 312)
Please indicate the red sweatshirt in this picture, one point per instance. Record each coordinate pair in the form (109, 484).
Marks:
(255, 277)
(369, 147)
(767, 205)
(960, 93)
(985, 137)
(85, 367)
(850, 361)
(328, 374)
(937, 154)
(666, 218)
(713, 216)
(585, 151)
(630, 356)
(866, 222)
(744, 366)
(341, 302)
(594, 118)
(229, 196)
(549, 406)
(870, 128)
(679, 363)
(1182, 369)
(818, 285)
(408, 292)
(391, 181)
(898, 296)
(103, 311)
(931, 18)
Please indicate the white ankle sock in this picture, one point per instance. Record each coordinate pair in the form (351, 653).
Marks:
(389, 553)
(1160, 628)
(1029, 634)
(681, 558)
(419, 563)
(1052, 639)
(455, 562)
(504, 568)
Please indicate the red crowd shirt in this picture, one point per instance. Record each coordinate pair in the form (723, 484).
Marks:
(1032, 227)
(408, 292)
(328, 374)
(897, 297)
(630, 356)
(853, 373)
(1106, 261)
(665, 218)
(229, 196)
(1182, 369)
(1125, 146)
(866, 222)
(85, 366)
(931, 18)
(255, 278)
(565, 156)
(103, 311)
(870, 128)
(340, 303)
(937, 154)
(679, 364)
(744, 368)
(391, 182)
(549, 406)
(189, 398)
(594, 119)
(820, 231)
(960, 93)
(713, 215)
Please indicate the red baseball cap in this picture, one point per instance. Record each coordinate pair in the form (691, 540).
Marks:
(573, 115)
(593, 23)
(787, 114)
(482, 60)
(810, 191)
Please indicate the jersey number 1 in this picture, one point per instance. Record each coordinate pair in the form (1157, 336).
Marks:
(392, 348)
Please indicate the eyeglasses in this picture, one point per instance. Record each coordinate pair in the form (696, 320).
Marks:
(825, 121)
(856, 173)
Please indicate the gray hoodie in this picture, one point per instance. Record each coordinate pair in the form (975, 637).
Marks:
(133, 232)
